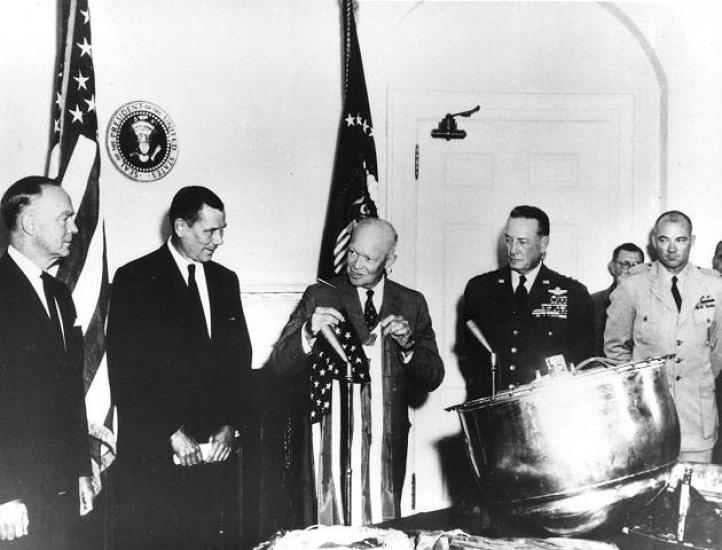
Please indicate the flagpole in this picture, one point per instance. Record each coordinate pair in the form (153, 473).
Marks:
(348, 475)
(350, 199)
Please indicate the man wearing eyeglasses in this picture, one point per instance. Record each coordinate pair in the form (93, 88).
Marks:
(624, 258)
(671, 307)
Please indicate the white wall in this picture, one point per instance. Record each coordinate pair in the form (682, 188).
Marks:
(687, 40)
(254, 89)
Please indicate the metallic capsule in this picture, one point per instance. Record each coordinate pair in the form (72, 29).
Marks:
(572, 453)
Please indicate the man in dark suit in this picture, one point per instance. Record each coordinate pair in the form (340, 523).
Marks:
(179, 358)
(624, 258)
(394, 324)
(526, 311)
(44, 455)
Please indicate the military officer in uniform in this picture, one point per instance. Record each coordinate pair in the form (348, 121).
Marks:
(673, 307)
(526, 311)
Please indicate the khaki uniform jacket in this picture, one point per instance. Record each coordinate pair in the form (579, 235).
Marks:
(642, 321)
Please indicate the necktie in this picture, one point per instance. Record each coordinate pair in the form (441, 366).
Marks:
(676, 295)
(48, 282)
(370, 315)
(520, 294)
(195, 298)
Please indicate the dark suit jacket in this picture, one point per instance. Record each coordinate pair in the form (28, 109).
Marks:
(43, 427)
(600, 302)
(164, 371)
(425, 369)
(556, 319)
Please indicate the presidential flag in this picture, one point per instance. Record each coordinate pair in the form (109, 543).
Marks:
(74, 161)
(355, 175)
(354, 189)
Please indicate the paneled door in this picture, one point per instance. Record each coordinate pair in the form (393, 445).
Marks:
(571, 155)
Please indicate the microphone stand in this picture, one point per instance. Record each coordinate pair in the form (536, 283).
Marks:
(348, 479)
(328, 333)
(476, 331)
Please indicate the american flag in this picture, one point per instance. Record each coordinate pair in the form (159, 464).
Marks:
(326, 365)
(74, 161)
(355, 174)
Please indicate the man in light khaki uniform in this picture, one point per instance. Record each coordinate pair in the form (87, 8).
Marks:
(673, 307)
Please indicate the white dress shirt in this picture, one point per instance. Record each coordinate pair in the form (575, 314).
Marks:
(530, 278)
(182, 262)
(681, 278)
(33, 273)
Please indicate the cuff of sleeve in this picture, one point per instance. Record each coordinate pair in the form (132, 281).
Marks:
(306, 345)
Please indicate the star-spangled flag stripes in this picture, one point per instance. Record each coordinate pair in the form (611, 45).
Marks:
(326, 366)
(74, 162)
(355, 174)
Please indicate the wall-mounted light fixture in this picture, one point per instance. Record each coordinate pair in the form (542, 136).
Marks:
(447, 127)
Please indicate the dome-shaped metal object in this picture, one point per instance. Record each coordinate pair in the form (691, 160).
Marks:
(571, 453)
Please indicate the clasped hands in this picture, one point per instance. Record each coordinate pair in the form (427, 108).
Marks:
(188, 451)
(394, 326)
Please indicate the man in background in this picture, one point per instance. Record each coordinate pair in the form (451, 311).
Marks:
(179, 359)
(45, 471)
(526, 311)
(717, 258)
(393, 324)
(625, 257)
(717, 266)
(670, 306)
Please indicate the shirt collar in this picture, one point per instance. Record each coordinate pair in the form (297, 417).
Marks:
(27, 266)
(681, 276)
(530, 277)
(378, 297)
(181, 261)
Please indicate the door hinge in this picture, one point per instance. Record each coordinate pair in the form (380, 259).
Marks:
(416, 163)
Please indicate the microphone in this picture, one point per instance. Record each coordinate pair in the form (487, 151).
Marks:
(476, 331)
(328, 333)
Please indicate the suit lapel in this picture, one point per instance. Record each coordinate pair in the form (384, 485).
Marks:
(506, 293)
(177, 283)
(392, 302)
(661, 288)
(177, 288)
(538, 290)
(693, 288)
(27, 301)
(214, 296)
(352, 305)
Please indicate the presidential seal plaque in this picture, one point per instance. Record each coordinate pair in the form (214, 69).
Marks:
(142, 141)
